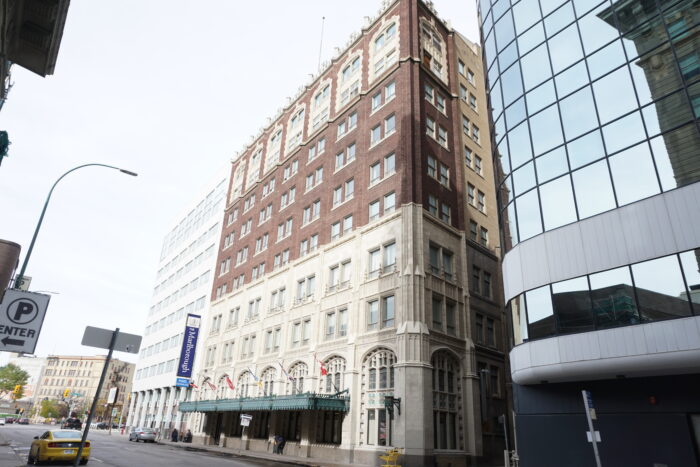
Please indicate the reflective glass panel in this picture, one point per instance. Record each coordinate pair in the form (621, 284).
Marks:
(578, 113)
(667, 113)
(540, 97)
(557, 203)
(535, 67)
(503, 155)
(499, 128)
(633, 174)
(508, 56)
(584, 6)
(595, 31)
(594, 192)
(559, 19)
(606, 59)
(565, 48)
(571, 301)
(623, 133)
(499, 7)
(676, 156)
(490, 48)
(691, 269)
(517, 312)
(614, 95)
(546, 130)
(549, 6)
(613, 300)
(505, 32)
(511, 84)
(540, 314)
(585, 149)
(525, 13)
(572, 79)
(516, 113)
(551, 165)
(528, 208)
(531, 39)
(496, 99)
(512, 225)
(637, 42)
(519, 140)
(660, 289)
(524, 178)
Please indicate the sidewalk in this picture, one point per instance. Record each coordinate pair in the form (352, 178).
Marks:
(8, 457)
(231, 452)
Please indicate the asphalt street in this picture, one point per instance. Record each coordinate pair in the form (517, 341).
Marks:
(116, 450)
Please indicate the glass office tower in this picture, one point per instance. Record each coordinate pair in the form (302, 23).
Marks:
(594, 110)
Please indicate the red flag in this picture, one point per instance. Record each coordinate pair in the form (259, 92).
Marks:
(229, 382)
(324, 372)
(211, 386)
(192, 385)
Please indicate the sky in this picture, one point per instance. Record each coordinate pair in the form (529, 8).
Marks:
(169, 89)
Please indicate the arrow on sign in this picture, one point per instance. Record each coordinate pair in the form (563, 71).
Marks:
(8, 341)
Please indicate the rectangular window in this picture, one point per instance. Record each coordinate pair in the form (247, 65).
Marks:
(389, 125)
(389, 91)
(388, 311)
(330, 325)
(335, 230)
(373, 210)
(463, 93)
(444, 175)
(437, 311)
(465, 125)
(432, 167)
(440, 103)
(432, 205)
(430, 126)
(450, 317)
(347, 224)
(490, 333)
(479, 324)
(477, 165)
(442, 136)
(374, 173)
(470, 76)
(389, 164)
(486, 289)
(473, 231)
(373, 314)
(461, 68)
(375, 134)
(475, 133)
(445, 213)
(484, 237)
(471, 199)
(467, 156)
(481, 201)
(476, 278)
(389, 202)
(376, 101)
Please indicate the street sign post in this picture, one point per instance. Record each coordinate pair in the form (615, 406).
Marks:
(101, 338)
(94, 337)
(21, 317)
(592, 435)
(245, 423)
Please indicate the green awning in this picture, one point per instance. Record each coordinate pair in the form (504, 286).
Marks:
(307, 401)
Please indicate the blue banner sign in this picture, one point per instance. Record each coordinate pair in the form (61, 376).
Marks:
(189, 345)
(182, 382)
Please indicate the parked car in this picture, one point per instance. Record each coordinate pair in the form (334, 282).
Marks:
(9, 420)
(143, 434)
(72, 423)
(23, 421)
(2, 421)
(102, 426)
(58, 445)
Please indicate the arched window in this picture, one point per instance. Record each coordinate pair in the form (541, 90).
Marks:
(333, 381)
(434, 52)
(295, 129)
(377, 384)
(243, 384)
(447, 403)
(349, 80)
(268, 381)
(385, 48)
(297, 374)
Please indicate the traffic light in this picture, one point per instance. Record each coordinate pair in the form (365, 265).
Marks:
(66, 393)
(16, 391)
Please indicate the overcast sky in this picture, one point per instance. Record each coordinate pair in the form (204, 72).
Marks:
(169, 89)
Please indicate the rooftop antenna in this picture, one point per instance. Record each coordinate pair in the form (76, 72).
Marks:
(320, 47)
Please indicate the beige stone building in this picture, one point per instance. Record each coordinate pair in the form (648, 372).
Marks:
(80, 375)
(355, 306)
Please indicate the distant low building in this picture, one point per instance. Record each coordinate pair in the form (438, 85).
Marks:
(80, 376)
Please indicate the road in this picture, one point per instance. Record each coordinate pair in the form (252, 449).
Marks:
(116, 450)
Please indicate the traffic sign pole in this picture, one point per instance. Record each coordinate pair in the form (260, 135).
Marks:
(588, 404)
(97, 396)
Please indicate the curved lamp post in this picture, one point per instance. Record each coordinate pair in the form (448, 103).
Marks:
(18, 279)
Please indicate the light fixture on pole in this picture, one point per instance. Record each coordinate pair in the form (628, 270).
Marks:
(18, 279)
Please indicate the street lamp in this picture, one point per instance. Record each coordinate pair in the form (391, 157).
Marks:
(18, 279)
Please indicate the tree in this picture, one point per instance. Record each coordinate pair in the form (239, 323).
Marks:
(12, 376)
(51, 409)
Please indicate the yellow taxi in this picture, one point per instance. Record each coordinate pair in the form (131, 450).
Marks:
(58, 445)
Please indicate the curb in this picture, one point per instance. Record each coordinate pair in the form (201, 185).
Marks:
(195, 448)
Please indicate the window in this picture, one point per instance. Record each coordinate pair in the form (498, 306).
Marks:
(284, 229)
(484, 237)
(450, 316)
(336, 323)
(381, 312)
(481, 203)
(233, 317)
(311, 212)
(287, 197)
(479, 325)
(389, 202)
(389, 91)
(467, 156)
(374, 173)
(444, 175)
(441, 260)
(472, 101)
(461, 68)
(429, 93)
(442, 136)
(314, 178)
(476, 278)
(242, 256)
(440, 103)
(343, 158)
(463, 93)
(375, 134)
(253, 309)
(347, 125)
(465, 125)
(306, 288)
(335, 231)
(376, 101)
(490, 333)
(432, 166)
(430, 126)
(437, 311)
(475, 133)
(290, 170)
(486, 285)
(347, 224)
(445, 213)
(246, 227)
(473, 231)
(268, 187)
(470, 76)
(432, 205)
(374, 210)
(389, 125)
(389, 164)
(385, 52)
(261, 243)
(477, 165)
(378, 377)
(447, 404)
(471, 199)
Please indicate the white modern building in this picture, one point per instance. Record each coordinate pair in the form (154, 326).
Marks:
(183, 286)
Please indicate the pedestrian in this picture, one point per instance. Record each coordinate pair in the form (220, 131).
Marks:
(188, 436)
(173, 435)
(279, 444)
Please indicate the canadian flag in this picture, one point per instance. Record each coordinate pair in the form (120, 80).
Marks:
(324, 372)
(229, 382)
(192, 385)
(211, 386)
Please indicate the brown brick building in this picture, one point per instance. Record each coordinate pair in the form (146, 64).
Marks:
(356, 304)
